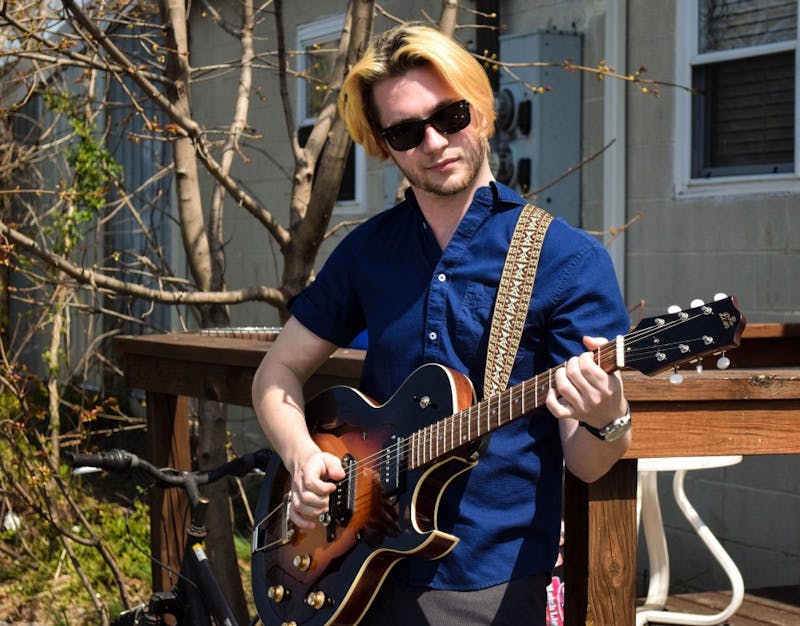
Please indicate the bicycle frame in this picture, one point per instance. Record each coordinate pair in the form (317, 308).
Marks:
(196, 599)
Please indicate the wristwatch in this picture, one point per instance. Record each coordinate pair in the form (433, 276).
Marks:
(612, 431)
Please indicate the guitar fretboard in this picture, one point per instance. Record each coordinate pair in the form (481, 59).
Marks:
(444, 436)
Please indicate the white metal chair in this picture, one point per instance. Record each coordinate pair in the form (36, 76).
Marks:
(649, 511)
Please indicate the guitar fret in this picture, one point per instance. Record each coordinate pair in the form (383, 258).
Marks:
(514, 401)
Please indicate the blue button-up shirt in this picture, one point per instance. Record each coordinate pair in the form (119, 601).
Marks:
(420, 305)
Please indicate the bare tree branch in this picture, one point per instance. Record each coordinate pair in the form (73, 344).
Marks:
(85, 276)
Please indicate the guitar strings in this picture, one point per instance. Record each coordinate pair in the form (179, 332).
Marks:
(503, 399)
(426, 437)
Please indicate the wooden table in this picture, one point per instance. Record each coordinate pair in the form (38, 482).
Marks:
(746, 410)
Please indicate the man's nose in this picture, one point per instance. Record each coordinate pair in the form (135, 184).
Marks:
(433, 139)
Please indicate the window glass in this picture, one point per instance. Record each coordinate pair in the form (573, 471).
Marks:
(744, 86)
(319, 41)
(744, 116)
(319, 65)
(731, 24)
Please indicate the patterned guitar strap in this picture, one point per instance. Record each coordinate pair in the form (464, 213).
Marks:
(513, 297)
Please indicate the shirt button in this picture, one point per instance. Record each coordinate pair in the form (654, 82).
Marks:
(441, 278)
(432, 336)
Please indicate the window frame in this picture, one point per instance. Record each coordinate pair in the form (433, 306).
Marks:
(308, 34)
(686, 58)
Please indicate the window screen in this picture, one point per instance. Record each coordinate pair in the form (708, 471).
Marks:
(743, 113)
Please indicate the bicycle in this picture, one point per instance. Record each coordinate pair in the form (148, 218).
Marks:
(196, 599)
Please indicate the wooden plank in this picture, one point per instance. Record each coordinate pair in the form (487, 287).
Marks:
(755, 610)
(734, 384)
(167, 446)
(770, 330)
(217, 368)
(715, 428)
(706, 604)
(764, 611)
(600, 547)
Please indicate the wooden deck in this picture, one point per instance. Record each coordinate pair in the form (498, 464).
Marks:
(764, 607)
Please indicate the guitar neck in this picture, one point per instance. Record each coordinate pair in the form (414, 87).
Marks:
(467, 426)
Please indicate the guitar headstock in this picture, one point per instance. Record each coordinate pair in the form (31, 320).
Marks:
(664, 341)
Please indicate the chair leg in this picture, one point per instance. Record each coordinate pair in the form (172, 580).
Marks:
(656, 541)
(719, 553)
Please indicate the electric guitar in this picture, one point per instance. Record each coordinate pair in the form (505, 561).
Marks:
(400, 456)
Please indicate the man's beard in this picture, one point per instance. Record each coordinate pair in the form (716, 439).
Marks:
(475, 152)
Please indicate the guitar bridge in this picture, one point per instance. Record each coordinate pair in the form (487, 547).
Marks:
(275, 529)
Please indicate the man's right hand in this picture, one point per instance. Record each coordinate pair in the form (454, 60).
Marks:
(313, 478)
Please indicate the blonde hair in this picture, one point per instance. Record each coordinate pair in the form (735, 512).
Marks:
(393, 54)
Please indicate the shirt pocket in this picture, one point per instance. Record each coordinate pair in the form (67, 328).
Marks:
(473, 318)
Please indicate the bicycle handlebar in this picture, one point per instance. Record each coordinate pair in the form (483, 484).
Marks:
(118, 461)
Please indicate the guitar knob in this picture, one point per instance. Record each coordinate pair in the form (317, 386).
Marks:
(720, 296)
(674, 309)
(723, 362)
(696, 302)
(317, 599)
(277, 593)
(302, 562)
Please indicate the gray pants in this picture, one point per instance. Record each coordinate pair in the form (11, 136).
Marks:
(519, 602)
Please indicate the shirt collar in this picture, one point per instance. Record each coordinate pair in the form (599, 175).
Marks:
(494, 195)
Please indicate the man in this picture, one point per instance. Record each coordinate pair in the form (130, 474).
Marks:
(422, 278)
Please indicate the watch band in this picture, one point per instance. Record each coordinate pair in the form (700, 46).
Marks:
(612, 431)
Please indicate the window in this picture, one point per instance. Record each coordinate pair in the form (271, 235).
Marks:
(316, 39)
(740, 61)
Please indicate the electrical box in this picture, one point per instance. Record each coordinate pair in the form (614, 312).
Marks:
(536, 147)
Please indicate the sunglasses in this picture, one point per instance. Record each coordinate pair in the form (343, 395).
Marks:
(448, 120)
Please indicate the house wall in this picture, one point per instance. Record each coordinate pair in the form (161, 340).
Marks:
(681, 248)
(684, 248)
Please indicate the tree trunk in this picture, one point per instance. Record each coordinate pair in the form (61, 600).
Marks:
(212, 418)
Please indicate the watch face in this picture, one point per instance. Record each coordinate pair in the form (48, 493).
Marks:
(616, 429)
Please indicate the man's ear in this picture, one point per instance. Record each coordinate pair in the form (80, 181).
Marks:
(482, 124)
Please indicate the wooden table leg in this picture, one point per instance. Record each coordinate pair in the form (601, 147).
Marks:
(167, 446)
(600, 548)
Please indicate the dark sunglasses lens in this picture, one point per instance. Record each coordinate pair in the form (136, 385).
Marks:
(451, 119)
(406, 135)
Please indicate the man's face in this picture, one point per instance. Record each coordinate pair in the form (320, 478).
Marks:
(441, 165)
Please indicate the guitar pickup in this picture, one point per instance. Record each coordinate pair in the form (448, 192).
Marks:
(392, 463)
(343, 500)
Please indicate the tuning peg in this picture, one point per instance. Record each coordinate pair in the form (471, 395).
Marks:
(675, 378)
(720, 296)
(723, 362)
(699, 366)
(674, 309)
(696, 302)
